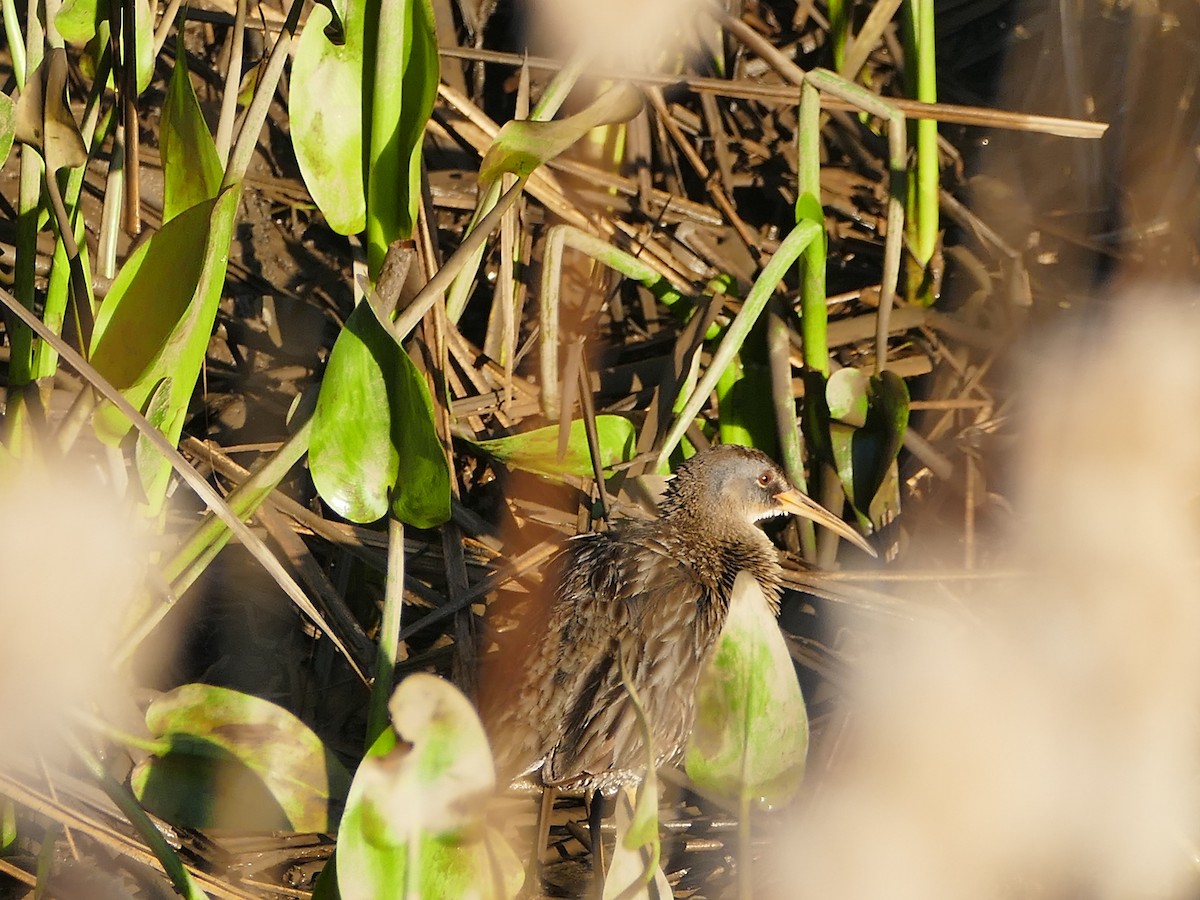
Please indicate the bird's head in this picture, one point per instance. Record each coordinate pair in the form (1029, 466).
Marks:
(739, 485)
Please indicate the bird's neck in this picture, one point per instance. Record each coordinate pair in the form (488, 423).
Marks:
(718, 549)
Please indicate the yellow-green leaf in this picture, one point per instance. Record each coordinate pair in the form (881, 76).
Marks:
(237, 761)
(325, 110)
(537, 450)
(522, 146)
(750, 738)
(191, 168)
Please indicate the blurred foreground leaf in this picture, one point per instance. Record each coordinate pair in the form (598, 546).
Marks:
(750, 738)
(414, 819)
(637, 849)
(237, 761)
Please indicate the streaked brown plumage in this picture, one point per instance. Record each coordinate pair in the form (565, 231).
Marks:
(655, 594)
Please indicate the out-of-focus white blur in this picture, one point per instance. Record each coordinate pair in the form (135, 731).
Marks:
(627, 35)
(1048, 746)
(72, 560)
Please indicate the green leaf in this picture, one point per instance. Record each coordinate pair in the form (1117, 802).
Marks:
(8, 825)
(403, 74)
(326, 887)
(157, 319)
(77, 20)
(144, 55)
(191, 168)
(8, 117)
(872, 416)
(152, 467)
(522, 146)
(537, 450)
(237, 761)
(746, 406)
(374, 444)
(413, 824)
(750, 737)
(325, 110)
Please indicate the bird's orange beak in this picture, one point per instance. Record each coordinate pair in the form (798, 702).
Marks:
(800, 504)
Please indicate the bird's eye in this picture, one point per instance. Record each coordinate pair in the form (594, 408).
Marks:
(764, 479)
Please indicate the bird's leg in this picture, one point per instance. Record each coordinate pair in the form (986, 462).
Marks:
(541, 837)
(595, 817)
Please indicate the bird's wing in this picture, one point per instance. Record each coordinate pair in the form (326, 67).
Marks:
(633, 601)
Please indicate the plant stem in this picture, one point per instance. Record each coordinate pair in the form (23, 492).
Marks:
(180, 877)
(389, 633)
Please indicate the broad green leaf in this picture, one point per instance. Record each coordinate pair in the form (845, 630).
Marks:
(8, 825)
(144, 20)
(537, 450)
(156, 322)
(522, 146)
(325, 110)
(873, 415)
(750, 737)
(747, 411)
(402, 76)
(841, 442)
(7, 126)
(159, 314)
(413, 824)
(889, 404)
(237, 761)
(191, 168)
(889, 418)
(77, 20)
(374, 443)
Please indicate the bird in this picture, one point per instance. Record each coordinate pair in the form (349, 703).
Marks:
(649, 597)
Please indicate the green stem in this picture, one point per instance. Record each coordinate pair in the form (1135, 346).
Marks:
(559, 238)
(789, 250)
(180, 877)
(16, 41)
(389, 634)
(921, 64)
(549, 104)
(813, 311)
(829, 83)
